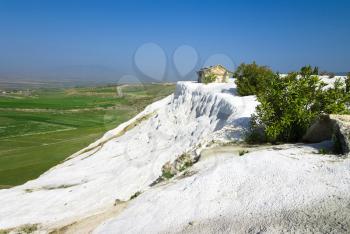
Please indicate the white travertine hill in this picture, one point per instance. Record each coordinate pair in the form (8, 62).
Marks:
(270, 189)
(128, 158)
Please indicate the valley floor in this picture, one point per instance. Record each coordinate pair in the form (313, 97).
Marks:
(42, 127)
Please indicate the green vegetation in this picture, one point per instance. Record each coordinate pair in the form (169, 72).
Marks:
(39, 130)
(186, 165)
(347, 82)
(167, 174)
(322, 151)
(29, 228)
(167, 171)
(289, 105)
(252, 78)
(135, 195)
(243, 152)
(24, 229)
(183, 162)
(210, 78)
(308, 71)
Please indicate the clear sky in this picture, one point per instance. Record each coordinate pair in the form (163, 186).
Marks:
(50, 37)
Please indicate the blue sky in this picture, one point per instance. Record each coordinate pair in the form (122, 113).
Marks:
(46, 37)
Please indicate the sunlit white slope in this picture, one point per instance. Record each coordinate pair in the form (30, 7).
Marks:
(130, 157)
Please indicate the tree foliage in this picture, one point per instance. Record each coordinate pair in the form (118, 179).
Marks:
(290, 104)
(209, 78)
(252, 78)
(347, 82)
(308, 71)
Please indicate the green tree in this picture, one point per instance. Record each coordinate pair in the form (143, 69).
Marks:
(347, 82)
(315, 71)
(209, 78)
(306, 71)
(334, 100)
(289, 105)
(251, 78)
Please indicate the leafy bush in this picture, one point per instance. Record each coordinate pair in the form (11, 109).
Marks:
(167, 171)
(183, 162)
(308, 71)
(289, 105)
(252, 78)
(243, 152)
(256, 133)
(347, 83)
(135, 195)
(334, 100)
(27, 228)
(210, 78)
(167, 175)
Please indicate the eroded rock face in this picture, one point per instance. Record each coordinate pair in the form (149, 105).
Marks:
(341, 129)
(321, 130)
(336, 127)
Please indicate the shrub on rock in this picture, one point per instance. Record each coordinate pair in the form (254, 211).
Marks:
(289, 105)
(252, 78)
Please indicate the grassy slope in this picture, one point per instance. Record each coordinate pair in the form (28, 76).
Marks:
(39, 131)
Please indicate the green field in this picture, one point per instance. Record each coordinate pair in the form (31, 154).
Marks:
(40, 129)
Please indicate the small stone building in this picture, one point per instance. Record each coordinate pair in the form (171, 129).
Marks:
(221, 73)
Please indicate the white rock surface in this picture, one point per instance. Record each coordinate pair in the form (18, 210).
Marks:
(330, 81)
(124, 162)
(326, 79)
(290, 190)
